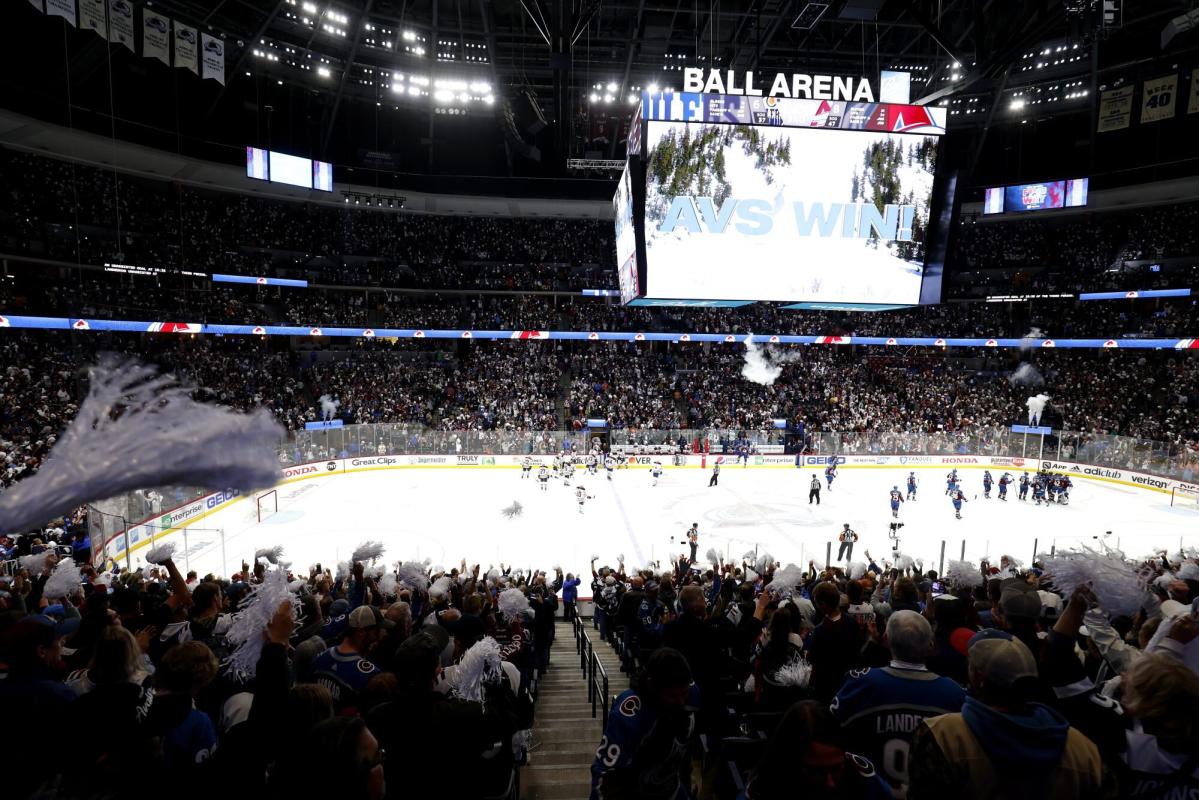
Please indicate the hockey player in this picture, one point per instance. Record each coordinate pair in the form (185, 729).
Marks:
(592, 464)
(656, 471)
(1050, 488)
(569, 468)
(830, 473)
(988, 481)
(951, 483)
(1004, 480)
(896, 499)
(581, 496)
(743, 455)
(526, 468)
(1024, 486)
(543, 477)
(1064, 484)
(609, 465)
(715, 475)
(911, 485)
(557, 465)
(958, 499)
(1038, 490)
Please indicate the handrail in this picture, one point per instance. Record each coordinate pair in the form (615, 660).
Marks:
(593, 671)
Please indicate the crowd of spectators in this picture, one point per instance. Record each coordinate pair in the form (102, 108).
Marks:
(880, 679)
(875, 678)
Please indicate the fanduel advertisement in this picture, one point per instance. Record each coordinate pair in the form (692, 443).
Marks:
(739, 212)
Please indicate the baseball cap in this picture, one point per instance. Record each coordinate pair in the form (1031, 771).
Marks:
(369, 617)
(339, 607)
(1001, 658)
(1019, 601)
(419, 652)
(959, 640)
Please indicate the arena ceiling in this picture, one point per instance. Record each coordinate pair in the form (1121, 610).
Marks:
(495, 87)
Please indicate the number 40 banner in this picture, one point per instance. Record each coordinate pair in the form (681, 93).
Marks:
(1158, 96)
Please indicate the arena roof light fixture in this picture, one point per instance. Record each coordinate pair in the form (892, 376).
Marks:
(323, 72)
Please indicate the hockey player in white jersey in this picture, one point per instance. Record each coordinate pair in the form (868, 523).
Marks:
(581, 495)
(568, 470)
(656, 471)
(526, 468)
(609, 465)
(543, 477)
(592, 463)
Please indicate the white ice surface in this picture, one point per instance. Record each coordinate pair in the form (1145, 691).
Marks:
(449, 514)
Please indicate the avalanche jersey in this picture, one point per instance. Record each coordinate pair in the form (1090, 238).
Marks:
(344, 675)
(896, 497)
(881, 709)
(646, 746)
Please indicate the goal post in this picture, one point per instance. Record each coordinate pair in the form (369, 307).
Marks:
(1185, 497)
(268, 504)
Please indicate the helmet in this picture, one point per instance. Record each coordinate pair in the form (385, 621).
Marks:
(895, 488)
(1025, 472)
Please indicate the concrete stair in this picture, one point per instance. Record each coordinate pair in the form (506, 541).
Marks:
(565, 736)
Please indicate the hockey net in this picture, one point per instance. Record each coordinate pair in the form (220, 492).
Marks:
(268, 504)
(1184, 497)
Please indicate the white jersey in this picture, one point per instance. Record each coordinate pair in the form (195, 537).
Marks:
(591, 460)
(609, 463)
(543, 473)
(527, 463)
(656, 470)
(580, 494)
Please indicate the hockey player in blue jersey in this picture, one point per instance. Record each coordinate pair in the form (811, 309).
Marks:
(1004, 480)
(951, 482)
(896, 499)
(1050, 483)
(830, 472)
(1064, 484)
(743, 455)
(1038, 490)
(911, 485)
(958, 498)
(988, 482)
(1024, 486)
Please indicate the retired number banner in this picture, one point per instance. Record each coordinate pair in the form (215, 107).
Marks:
(1157, 98)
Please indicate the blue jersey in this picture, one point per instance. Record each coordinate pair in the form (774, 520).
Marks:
(911, 483)
(987, 479)
(880, 710)
(830, 471)
(1003, 482)
(958, 499)
(344, 675)
(647, 746)
(896, 498)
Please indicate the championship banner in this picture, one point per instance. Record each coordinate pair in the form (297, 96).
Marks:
(212, 58)
(1193, 103)
(1115, 109)
(1157, 98)
(185, 47)
(92, 17)
(62, 8)
(156, 36)
(120, 23)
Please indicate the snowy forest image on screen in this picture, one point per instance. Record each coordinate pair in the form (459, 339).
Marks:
(798, 214)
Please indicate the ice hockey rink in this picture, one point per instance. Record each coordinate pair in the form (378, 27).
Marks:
(449, 514)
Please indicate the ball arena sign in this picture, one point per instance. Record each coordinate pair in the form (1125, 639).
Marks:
(801, 86)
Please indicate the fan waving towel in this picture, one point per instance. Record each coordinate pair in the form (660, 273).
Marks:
(135, 429)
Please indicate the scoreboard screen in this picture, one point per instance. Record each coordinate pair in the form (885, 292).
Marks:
(1036, 196)
(774, 199)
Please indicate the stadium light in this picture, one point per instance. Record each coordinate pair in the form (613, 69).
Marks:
(593, 97)
(653, 88)
(443, 96)
(309, 8)
(611, 87)
(323, 72)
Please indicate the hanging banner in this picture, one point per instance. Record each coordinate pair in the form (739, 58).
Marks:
(212, 58)
(156, 36)
(185, 47)
(36, 4)
(1193, 103)
(1157, 98)
(61, 8)
(120, 23)
(1115, 109)
(92, 17)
